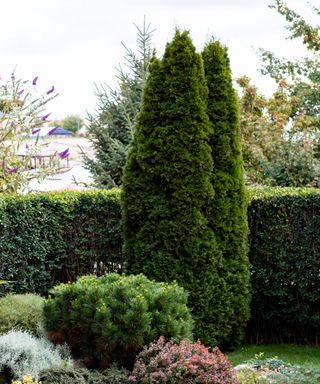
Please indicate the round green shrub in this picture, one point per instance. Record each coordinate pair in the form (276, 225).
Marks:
(110, 318)
(171, 363)
(20, 312)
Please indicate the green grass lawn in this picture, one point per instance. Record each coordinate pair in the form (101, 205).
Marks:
(305, 355)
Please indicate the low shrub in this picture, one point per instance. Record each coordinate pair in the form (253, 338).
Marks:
(63, 375)
(171, 363)
(22, 353)
(112, 375)
(109, 319)
(246, 375)
(20, 312)
(275, 371)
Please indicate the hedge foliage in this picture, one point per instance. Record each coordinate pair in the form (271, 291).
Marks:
(285, 265)
(284, 249)
(49, 238)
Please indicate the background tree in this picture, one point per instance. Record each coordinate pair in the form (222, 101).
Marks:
(111, 126)
(166, 186)
(71, 123)
(280, 134)
(277, 148)
(303, 75)
(227, 209)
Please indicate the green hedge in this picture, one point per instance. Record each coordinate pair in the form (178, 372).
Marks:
(49, 238)
(285, 265)
(54, 237)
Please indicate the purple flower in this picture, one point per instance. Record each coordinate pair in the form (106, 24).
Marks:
(21, 92)
(50, 90)
(13, 170)
(27, 146)
(64, 154)
(45, 116)
(34, 81)
(52, 131)
(3, 164)
(11, 124)
(24, 82)
(34, 131)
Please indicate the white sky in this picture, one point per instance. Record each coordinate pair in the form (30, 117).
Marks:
(73, 44)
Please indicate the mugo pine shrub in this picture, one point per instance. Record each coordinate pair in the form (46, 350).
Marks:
(167, 184)
(171, 363)
(227, 209)
(109, 319)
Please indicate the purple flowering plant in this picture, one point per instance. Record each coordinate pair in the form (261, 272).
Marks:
(22, 114)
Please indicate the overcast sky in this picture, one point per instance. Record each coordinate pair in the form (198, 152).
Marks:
(73, 44)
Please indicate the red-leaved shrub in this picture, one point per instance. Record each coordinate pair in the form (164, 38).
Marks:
(186, 363)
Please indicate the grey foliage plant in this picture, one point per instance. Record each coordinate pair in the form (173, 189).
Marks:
(22, 353)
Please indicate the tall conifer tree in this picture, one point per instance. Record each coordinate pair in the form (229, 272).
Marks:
(226, 211)
(167, 183)
(111, 126)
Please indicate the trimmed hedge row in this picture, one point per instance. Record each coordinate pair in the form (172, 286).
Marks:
(285, 265)
(54, 237)
(49, 238)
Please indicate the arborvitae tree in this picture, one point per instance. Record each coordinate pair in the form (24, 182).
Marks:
(111, 126)
(226, 211)
(167, 183)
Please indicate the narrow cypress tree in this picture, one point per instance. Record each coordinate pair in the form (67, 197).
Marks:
(166, 186)
(226, 212)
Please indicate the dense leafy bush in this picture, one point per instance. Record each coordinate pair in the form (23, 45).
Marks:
(171, 363)
(21, 353)
(20, 312)
(166, 184)
(49, 238)
(227, 209)
(109, 319)
(284, 255)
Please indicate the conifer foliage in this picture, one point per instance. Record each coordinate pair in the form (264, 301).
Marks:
(167, 184)
(226, 211)
(111, 126)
